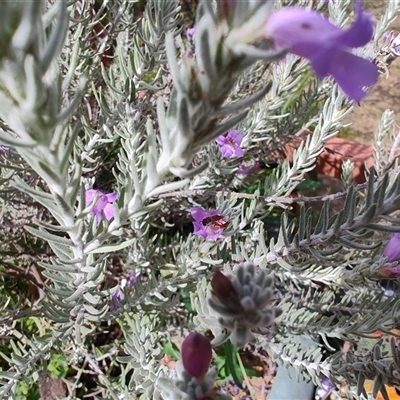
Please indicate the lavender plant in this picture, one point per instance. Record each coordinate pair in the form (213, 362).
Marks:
(150, 146)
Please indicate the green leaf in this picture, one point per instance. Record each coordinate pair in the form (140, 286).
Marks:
(232, 366)
(171, 350)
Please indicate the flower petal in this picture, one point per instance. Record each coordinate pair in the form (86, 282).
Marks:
(236, 136)
(392, 248)
(109, 211)
(352, 73)
(89, 195)
(221, 140)
(239, 152)
(213, 234)
(304, 32)
(111, 197)
(227, 151)
(199, 213)
(322, 60)
(100, 204)
(199, 229)
(244, 169)
(360, 33)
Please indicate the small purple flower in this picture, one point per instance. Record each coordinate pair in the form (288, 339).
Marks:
(392, 248)
(230, 144)
(133, 278)
(205, 225)
(116, 300)
(103, 204)
(4, 149)
(190, 33)
(244, 169)
(326, 388)
(310, 35)
(196, 354)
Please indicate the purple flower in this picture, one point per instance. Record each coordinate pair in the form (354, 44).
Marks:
(244, 169)
(196, 354)
(230, 144)
(133, 278)
(326, 388)
(392, 248)
(4, 149)
(208, 224)
(190, 32)
(103, 204)
(308, 34)
(116, 300)
(392, 253)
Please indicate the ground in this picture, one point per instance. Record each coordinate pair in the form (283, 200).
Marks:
(384, 95)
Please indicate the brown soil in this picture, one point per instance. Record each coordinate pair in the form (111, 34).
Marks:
(384, 95)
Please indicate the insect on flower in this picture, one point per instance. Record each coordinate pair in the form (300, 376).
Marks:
(216, 222)
(209, 224)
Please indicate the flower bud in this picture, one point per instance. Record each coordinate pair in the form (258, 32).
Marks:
(223, 289)
(392, 248)
(196, 354)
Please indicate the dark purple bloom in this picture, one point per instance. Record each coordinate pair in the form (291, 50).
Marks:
(196, 354)
(230, 144)
(392, 248)
(207, 224)
(103, 204)
(190, 32)
(310, 35)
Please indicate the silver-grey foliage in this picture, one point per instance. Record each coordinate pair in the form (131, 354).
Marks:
(146, 116)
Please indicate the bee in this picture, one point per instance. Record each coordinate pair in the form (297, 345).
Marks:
(216, 222)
